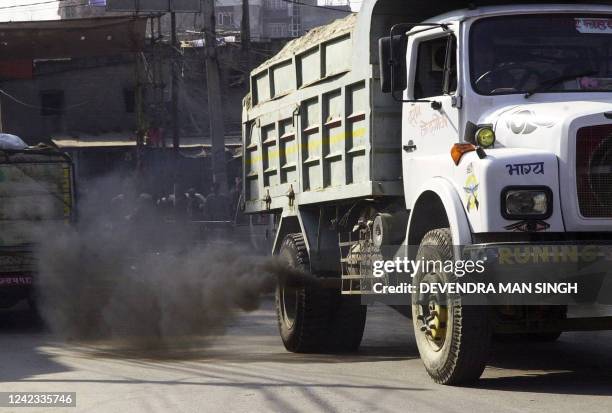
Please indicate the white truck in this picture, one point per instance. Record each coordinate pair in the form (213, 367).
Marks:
(440, 123)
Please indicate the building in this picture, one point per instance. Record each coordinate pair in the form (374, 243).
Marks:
(276, 19)
(52, 74)
(72, 80)
(269, 19)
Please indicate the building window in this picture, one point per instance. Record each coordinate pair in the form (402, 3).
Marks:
(51, 102)
(277, 30)
(70, 12)
(276, 4)
(225, 18)
(129, 100)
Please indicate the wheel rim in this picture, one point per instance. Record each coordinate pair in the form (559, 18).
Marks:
(432, 316)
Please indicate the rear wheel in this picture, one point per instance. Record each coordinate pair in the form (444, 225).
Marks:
(312, 318)
(453, 339)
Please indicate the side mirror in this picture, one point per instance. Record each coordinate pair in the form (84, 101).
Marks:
(392, 63)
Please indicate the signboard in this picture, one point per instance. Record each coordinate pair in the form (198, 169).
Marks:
(594, 25)
(54, 39)
(179, 6)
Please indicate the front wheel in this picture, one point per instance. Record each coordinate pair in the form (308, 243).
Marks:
(453, 339)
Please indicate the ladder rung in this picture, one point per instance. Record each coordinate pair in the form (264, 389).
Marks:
(356, 292)
(358, 277)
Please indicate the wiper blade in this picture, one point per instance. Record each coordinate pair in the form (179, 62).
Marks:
(550, 83)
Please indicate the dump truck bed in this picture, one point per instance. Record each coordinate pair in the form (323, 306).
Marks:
(316, 128)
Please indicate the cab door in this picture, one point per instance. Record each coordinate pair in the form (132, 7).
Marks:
(431, 119)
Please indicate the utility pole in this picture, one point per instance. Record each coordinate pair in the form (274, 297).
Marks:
(175, 95)
(1, 121)
(139, 109)
(174, 105)
(215, 103)
(245, 26)
(245, 36)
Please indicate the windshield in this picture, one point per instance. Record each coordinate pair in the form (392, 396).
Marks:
(552, 53)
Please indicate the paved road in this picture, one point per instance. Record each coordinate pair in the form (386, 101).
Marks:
(248, 370)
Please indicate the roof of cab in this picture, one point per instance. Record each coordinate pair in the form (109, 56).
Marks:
(463, 14)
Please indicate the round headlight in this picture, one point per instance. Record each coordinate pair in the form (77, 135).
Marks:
(485, 137)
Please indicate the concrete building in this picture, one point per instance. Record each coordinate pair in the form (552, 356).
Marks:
(63, 97)
(72, 77)
(78, 83)
(269, 19)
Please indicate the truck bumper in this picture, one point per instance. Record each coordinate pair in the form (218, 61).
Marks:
(546, 273)
(16, 276)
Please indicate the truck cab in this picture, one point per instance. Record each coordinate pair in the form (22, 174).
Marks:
(535, 80)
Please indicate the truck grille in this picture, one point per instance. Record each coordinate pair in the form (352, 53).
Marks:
(594, 171)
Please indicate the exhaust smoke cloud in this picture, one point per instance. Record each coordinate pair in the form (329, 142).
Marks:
(143, 283)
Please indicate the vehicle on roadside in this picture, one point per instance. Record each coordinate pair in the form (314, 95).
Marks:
(478, 124)
(36, 193)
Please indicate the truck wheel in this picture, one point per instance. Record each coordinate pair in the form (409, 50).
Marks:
(312, 318)
(453, 340)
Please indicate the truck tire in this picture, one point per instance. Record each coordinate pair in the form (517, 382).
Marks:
(311, 318)
(453, 340)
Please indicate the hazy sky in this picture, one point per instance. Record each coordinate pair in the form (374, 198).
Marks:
(47, 11)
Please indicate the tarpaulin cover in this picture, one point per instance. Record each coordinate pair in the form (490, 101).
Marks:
(8, 141)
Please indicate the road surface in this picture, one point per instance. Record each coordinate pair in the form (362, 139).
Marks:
(248, 370)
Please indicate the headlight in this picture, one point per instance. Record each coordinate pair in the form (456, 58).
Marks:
(526, 202)
(485, 137)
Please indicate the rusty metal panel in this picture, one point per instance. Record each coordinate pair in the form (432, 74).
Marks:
(72, 38)
(179, 6)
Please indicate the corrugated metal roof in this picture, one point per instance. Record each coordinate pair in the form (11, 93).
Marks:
(126, 140)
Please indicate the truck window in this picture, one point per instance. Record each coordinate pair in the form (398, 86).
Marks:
(430, 74)
(558, 53)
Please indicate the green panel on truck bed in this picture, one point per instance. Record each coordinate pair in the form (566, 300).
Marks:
(316, 126)
(33, 191)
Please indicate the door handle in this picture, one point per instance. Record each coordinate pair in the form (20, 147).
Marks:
(410, 147)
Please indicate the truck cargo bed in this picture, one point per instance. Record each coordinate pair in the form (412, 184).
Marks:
(317, 128)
